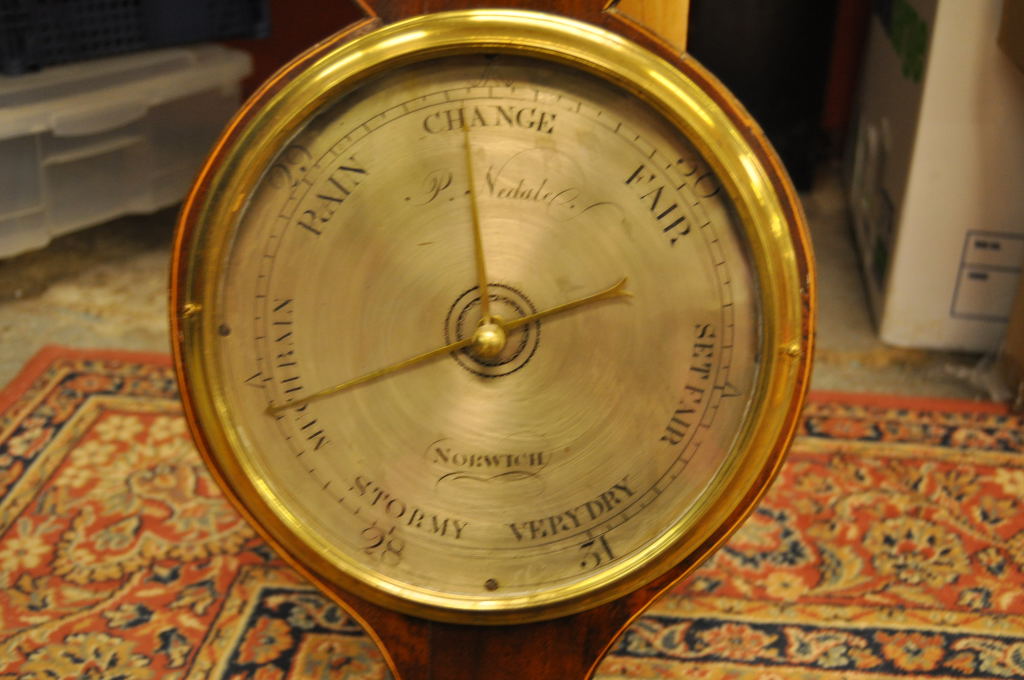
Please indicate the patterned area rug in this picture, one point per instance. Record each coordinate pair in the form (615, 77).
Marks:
(891, 545)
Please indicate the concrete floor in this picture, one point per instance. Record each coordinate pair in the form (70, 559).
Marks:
(105, 287)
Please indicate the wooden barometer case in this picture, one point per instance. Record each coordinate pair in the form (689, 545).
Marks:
(495, 322)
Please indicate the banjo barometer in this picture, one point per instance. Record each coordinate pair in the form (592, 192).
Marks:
(494, 323)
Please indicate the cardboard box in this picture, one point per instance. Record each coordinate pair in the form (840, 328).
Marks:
(1011, 358)
(936, 174)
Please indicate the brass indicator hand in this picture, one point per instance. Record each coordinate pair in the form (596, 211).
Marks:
(613, 291)
(478, 242)
(478, 338)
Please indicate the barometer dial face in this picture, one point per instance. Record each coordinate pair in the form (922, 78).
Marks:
(391, 233)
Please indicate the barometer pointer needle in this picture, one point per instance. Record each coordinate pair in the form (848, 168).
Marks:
(616, 290)
(478, 241)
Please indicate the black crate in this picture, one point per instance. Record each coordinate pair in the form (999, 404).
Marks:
(38, 33)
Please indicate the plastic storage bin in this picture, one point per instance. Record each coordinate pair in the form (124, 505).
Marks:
(37, 33)
(84, 143)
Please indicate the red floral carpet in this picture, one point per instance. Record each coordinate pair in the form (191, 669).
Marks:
(892, 545)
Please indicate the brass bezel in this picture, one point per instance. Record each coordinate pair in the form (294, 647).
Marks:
(705, 114)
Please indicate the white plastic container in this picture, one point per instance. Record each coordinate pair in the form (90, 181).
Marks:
(84, 143)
